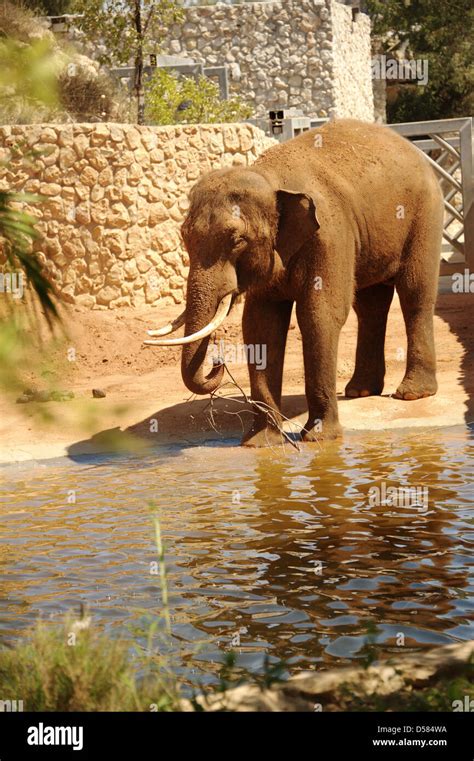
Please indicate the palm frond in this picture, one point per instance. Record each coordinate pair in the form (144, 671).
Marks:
(17, 233)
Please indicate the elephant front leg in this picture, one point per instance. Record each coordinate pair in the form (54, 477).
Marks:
(265, 329)
(320, 325)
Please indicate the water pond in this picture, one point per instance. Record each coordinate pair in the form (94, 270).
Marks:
(292, 555)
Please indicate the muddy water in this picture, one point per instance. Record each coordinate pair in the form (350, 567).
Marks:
(280, 553)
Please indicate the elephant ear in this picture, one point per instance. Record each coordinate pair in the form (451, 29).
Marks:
(297, 223)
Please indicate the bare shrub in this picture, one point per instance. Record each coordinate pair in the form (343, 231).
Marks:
(92, 96)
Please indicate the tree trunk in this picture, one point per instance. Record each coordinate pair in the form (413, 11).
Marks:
(138, 84)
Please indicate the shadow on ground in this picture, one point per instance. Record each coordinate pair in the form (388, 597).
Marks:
(185, 424)
(457, 310)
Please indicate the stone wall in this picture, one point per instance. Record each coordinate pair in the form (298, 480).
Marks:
(114, 199)
(306, 54)
(352, 58)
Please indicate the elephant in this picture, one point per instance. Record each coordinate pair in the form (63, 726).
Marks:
(339, 216)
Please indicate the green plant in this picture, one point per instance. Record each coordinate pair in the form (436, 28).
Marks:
(75, 668)
(442, 38)
(369, 648)
(17, 232)
(128, 30)
(27, 80)
(171, 99)
(160, 548)
(231, 675)
(26, 74)
(42, 80)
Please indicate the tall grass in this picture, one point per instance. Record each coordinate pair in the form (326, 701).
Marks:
(75, 668)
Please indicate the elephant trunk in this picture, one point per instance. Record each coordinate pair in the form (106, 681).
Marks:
(202, 301)
(192, 369)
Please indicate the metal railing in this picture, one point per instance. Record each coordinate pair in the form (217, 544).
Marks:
(447, 144)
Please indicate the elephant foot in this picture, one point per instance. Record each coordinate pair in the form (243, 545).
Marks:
(268, 436)
(358, 387)
(321, 432)
(416, 387)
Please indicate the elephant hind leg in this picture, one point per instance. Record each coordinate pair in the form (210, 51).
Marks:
(417, 288)
(371, 306)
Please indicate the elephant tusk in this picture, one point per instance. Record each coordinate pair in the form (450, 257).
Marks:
(170, 327)
(221, 313)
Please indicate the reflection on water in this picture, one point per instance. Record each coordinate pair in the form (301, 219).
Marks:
(280, 550)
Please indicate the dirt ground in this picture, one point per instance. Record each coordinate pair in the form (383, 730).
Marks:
(146, 401)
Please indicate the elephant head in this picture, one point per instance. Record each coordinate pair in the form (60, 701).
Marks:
(242, 228)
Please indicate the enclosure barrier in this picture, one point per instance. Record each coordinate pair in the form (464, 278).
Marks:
(452, 139)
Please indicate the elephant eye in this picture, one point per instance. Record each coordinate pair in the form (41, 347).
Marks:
(239, 244)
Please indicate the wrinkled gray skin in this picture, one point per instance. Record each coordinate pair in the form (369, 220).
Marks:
(351, 203)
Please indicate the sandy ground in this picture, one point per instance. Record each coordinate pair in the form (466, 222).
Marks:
(147, 403)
